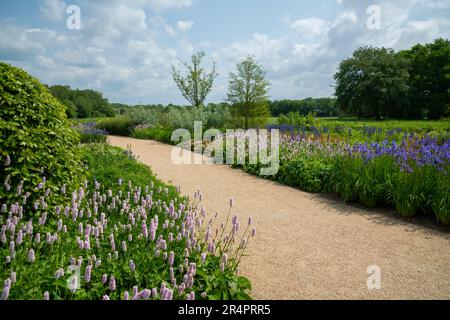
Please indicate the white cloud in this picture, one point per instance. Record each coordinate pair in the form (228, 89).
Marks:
(53, 10)
(126, 49)
(185, 26)
(311, 29)
(160, 5)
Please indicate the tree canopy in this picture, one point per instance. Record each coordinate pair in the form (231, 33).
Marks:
(379, 83)
(248, 93)
(83, 103)
(197, 83)
(372, 83)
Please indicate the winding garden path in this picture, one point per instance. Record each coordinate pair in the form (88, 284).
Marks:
(309, 246)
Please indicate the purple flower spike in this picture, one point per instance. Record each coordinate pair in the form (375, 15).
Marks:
(5, 293)
(126, 296)
(106, 297)
(112, 284)
(146, 294)
(31, 256)
(132, 266)
(104, 278)
(19, 239)
(171, 258)
(87, 276)
(254, 232)
(46, 296)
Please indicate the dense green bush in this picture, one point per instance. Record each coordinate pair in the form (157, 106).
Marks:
(173, 117)
(120, 126)
(36, 140)
(308, 173)
(159, 134)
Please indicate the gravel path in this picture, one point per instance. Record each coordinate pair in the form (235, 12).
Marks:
(309, 246)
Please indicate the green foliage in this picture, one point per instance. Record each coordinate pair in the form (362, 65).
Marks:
(35, 134)
(83, 103)
(322, 107)
(105, 206)
(373, 83)
(359, 181)
(247, 93)
(410, 84)
(197, 84)
(297, 120)
(440, 199)
(93, 138)
(429, 69)
(120, 126)
(308, 173)
(173, 117)
(158, 134)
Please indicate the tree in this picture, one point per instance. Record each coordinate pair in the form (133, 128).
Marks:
(429, 67)
(83, 103)
(197, 83)
(373, 83)
(248, 94)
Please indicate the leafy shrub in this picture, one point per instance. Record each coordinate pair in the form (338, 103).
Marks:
(120, 126)
(308, 173)
(36, 140)
(216, 116)
(159, 134)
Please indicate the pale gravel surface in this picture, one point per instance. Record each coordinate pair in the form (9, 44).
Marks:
(308, 246)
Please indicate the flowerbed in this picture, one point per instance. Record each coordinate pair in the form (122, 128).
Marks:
(122, 235)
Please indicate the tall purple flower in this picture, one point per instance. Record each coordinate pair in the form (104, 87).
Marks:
(46, 296)
(31, 256)
(132, 266)
(104, 278)
(203, 256)
(112, 284)
(87, 275)
(19, 239)
(5, 293)
(171, 258)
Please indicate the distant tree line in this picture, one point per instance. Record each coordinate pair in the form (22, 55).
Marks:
(411, 84)
(322, 107)
(83, 103)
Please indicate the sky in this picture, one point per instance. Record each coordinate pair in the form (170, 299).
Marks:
(125, 48)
